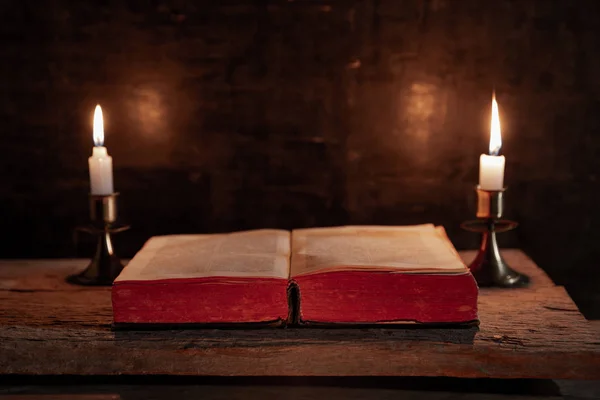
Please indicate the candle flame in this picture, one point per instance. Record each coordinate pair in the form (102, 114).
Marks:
(98, 127)
(495, 133)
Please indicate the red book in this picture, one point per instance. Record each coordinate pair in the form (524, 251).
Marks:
(322, 276)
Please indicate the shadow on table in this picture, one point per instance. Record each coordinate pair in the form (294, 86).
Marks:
(292, 388)
(291, 336)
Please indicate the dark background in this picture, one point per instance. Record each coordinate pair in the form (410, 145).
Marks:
(250, 114)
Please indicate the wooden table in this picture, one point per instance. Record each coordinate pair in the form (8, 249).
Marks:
(50, 327)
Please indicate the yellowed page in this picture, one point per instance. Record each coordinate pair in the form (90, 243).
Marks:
(260, 253)
(409, 249)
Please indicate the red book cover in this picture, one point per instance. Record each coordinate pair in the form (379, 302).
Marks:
(235, 278)
(380, 275)
(322, 276)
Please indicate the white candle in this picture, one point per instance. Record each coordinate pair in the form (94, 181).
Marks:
(100, 163)
(491, 168)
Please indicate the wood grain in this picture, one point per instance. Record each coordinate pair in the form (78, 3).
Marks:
(50, 327)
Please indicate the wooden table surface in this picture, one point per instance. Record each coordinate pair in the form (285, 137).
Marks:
(50, 327)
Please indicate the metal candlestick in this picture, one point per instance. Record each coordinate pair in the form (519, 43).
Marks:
(488, 267)
(105, 266)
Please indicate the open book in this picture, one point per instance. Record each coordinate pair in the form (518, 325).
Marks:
(343, 275)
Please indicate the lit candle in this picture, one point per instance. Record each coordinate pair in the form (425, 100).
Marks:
(101, 176)
(491, 168)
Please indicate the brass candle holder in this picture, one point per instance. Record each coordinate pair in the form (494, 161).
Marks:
(105, 266)
(488, 267)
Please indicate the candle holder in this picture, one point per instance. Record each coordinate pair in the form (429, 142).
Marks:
(105, 266)
(488, 267)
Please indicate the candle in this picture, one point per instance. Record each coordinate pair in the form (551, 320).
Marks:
(100, 163)
(491, 168)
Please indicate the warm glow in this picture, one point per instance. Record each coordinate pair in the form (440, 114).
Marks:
(98, 127)
(495, 134)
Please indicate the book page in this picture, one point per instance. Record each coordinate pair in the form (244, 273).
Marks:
(260, 253)
(410, 249)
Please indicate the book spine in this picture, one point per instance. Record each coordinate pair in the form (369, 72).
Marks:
(293, 294)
